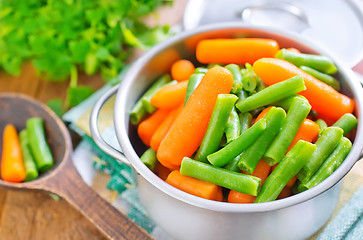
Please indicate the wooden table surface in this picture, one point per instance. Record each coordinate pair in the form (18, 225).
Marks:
(35, 215)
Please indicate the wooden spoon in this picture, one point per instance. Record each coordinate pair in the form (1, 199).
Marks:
(63, 179)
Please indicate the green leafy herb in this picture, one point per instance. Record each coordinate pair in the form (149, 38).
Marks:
(58, 36)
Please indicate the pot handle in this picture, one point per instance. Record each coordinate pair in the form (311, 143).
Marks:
(96, 135)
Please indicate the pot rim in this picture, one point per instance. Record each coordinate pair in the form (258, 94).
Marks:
(121, 120)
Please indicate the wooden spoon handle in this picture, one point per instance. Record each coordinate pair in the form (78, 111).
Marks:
(70, 186)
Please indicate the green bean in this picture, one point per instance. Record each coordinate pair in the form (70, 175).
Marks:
(330, 80)
(242, 95)
(212, 65)
(246, 121)
(297, 113)
(325, 145)
(156, 86)
(233, 165)
(38, 144)
(138, 112)
(216, 126)
(286, 102)
(237, 76)
(31, 171)
(318, 62)
(149, 158)
(236, 181)
(260, 85)
(322, 125)
(193, 83)
(272, 94)
(233, 127)
(252, 155)
(234, 148)
(330, 164)
(347, 122)
(285, 171)
(201, 70)
(249, 78)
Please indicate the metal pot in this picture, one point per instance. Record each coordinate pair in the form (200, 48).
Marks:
(185, 216)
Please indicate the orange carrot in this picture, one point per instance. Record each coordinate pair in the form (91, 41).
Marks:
(326, 119)
(188, 129)
(12, 165)
(239, 51)
(262, 114)
(262, 171)
(147, 127)
(194, 186)
(295, 50)
(182, 69)
(161, 171)
(163, 128)
(286, 192)
(307, 132)
(170, 96)
(322, 98)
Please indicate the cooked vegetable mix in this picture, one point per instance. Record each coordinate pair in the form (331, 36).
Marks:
(27, 154)
(247, 118)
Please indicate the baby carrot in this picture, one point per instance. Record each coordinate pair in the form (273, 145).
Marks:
(147, 127)
(261, 171)
(170, 96)
(163, 128)
(182, 69)
(194, 186)
(307, 132)
(162, 171)
(12, 166)
(188, 129)
(238, 51)
(322, 98)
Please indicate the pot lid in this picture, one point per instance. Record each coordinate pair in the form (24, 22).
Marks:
(336, 25)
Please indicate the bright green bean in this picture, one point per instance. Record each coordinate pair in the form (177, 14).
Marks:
(193, 83)
(236, 181)
(246, 121)
(216, 126)
(233, 165)
(156, 86)
(297, 113)
(38, 144)
(138, 112)
(330, 164)
(201, 70)
(242, 95)
(149, 158)
(325, 145)
(322, 125)
(318, 62)
(237, 76)
(272, 94)
(330, 80)
(234, 148)
(285, 171)
(31, 171)
(233, 127)
(347, 122)
(286, 102)
(252, 155)
(249, 78)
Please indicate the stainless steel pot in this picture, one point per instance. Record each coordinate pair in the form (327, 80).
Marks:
(185, 216)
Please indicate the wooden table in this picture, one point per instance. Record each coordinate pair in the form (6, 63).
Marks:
(35, 215)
